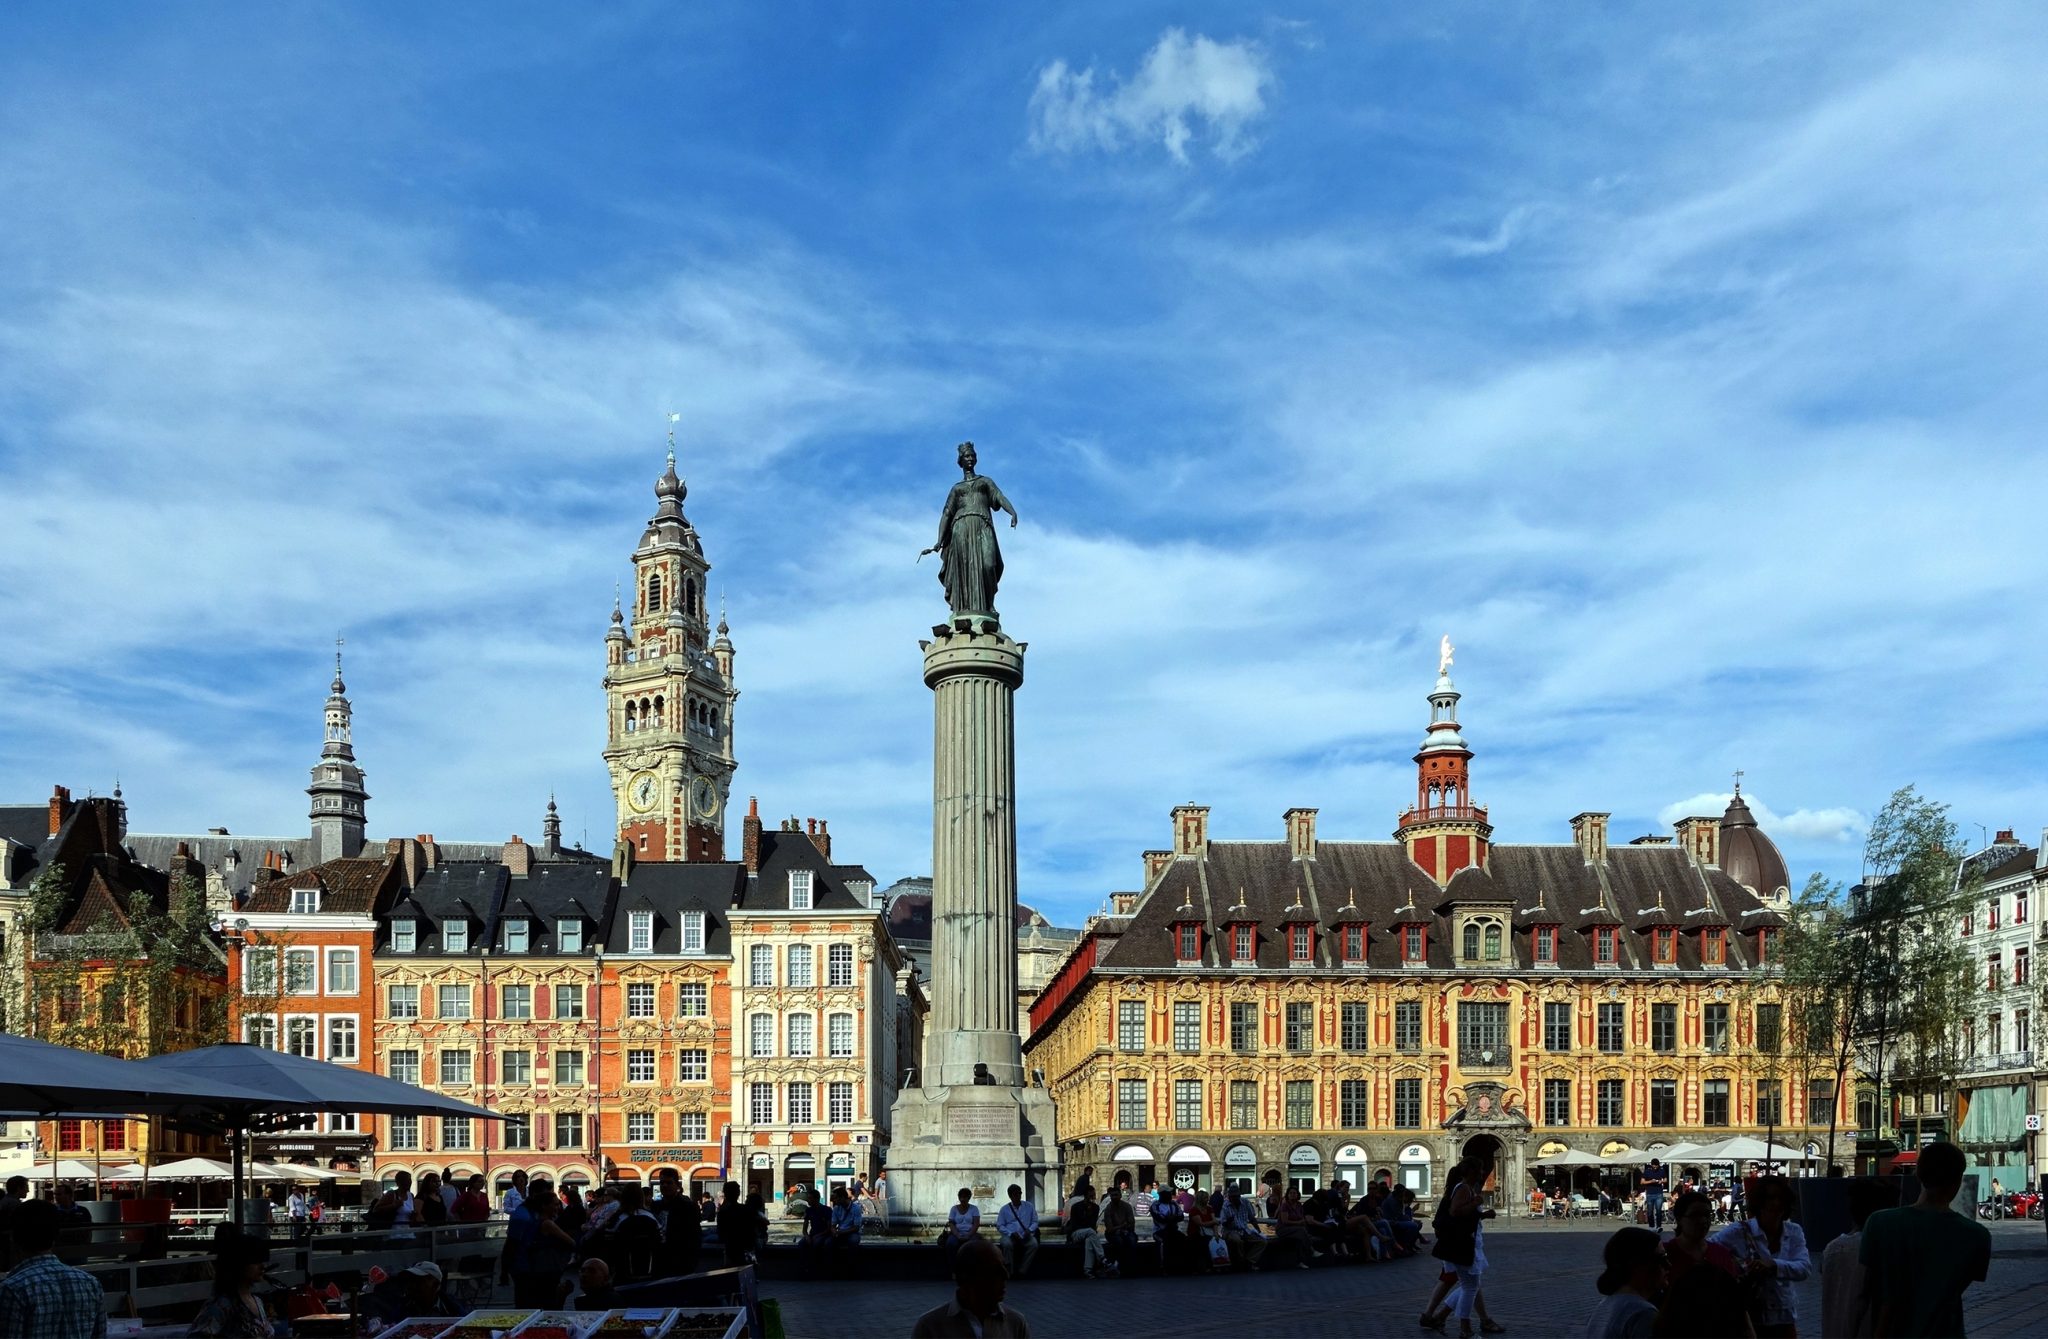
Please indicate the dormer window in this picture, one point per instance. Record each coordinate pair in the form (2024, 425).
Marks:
(640, 932)
(516, 935)
(1301, 942)
(405, 936)
(1414, 943)
(1714, 947)
(1187, 943)
(1766, 945)
(1244, 939)
(455, 937)
(305, 901)
(568, 935)
(1665, 945)
(1546, 944)
(800, 890)
(1607, 944)
(1481, 941)
(1353, 941)
(693, 932)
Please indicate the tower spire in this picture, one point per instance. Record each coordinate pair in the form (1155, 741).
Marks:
(337, 794)
(1445, 831)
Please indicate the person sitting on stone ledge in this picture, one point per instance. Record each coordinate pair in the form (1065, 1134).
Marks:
(1083, 1232)
(1017, 1232)
(963, 1224)
(1119, 1229)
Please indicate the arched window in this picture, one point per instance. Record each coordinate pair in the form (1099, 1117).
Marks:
(1471, 942)
(654, 593)
(1493, 942)
(689, 595)
(660, 713)
(631, 722)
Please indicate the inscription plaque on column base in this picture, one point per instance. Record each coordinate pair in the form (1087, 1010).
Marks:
(984, 1138)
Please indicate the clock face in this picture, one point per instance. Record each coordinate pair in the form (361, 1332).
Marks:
(642, 791)
(704, 797)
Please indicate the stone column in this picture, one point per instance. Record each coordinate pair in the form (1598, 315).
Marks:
(973, 677)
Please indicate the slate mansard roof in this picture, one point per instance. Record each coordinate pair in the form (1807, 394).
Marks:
(1635, 887)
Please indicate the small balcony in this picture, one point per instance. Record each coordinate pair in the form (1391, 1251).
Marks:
(1479, 1059)
(2004, 1060)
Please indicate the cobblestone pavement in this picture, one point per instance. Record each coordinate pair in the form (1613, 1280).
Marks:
(1540, 1283)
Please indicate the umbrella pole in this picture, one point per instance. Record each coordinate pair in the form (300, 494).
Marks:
(235, 1179)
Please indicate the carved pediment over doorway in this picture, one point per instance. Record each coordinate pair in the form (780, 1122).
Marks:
(1486, 1106)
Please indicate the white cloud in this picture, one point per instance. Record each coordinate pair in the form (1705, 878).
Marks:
(1838, 825)
(1181, 82)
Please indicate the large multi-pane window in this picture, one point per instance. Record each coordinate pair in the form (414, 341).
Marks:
(1298, 1104)
(839, 1035)
(260, 1030)
(1664, 1027)
(1301, 1026)
(693, 1000)
(405, 938)
(761, 1034)
(802, 972)
(1770, 1102)
(693, 932)
(1407, 1104)
(1770, 1028)
(1714, 1102)
(1408, 1025)
(302, 971)
(839, 1102)
(761, 965)
(518, 1131)
(693, 1127)
(799, 1098)
(761, 1103)
(1353, 1108)
(1557, 1025)
(405, 1132)
(1244, 1104)
(302, 1037)
(569, 935)
(402, 1001)
(515, 1066)
(1714, 1029)
(515, 1002)
(568, 1129)
(568, 1001)
(455, 1132)
(1612, 1027)
(1557, 1101)
(453, 1002)
(803, 1036)
(693, 1065)
(1187, 1104)
(1820, 1101)
(403, 1064)
(341, 971)
(839, 965)
(1663, 1101)
(457, 1067)
(341, 1039)
(640, 999)
(640, 1065)
(568, 1066)
(1610, 1100)
(639, 932)
(1130, 1025)
(1244, 1026)
(1354, 1026)
(517, 934)
(1482, 1032)
(1187, 1026)
(640, 1127)
(1130, 1104)
(800, 890)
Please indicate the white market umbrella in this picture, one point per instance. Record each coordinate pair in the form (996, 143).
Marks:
(63, 1169)
(192, 1169)
(127, 1171)
(1571, 1157)
(285, 1171)
(1748, 1148)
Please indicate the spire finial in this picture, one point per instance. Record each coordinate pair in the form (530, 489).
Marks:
(1738, 781)
(722, 629)
(1443, 656)
(673, 419)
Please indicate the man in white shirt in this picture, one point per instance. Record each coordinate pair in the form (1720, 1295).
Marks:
(515, 1195)
(1017, 1233)
(298, 1209)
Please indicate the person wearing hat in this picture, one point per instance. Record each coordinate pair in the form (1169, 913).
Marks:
(412, 1291)
(1628, 1286)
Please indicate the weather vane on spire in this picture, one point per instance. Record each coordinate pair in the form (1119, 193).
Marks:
(1738, 781)
(1443, 655)
(337, 653)
(673, 419)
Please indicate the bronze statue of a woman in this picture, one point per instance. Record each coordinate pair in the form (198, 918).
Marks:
(971, 564)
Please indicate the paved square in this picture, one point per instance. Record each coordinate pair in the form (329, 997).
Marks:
(1540, 1282)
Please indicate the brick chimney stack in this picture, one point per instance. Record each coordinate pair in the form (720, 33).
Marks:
(60, 807)
(517, 858)
(815, 829)
(1589, 830)
(1701, 838)
(750, 836)
(1301, 833)
(1191, 829)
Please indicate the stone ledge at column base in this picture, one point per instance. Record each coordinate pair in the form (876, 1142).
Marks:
(985, 1137)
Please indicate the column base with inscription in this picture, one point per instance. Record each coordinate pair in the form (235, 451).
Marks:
(983, 1138)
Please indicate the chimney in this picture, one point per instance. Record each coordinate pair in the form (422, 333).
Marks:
(517, 858)
(1123, 904)
(1155, 861)
(1701, 838)
(822, 839)
(2041, 851)
(1589, 830)
(622, 861)
(1301, 833)
(2004, 838)
(1191, 829)
(750, 836)
(430, 851)
(60, 807)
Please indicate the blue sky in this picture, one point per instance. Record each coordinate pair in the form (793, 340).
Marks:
(1683, 366)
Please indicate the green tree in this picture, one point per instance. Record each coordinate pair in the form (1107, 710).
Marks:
(1820, 968)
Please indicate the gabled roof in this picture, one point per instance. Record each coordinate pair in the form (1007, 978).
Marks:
(347, 887)
(670, 891)
(784, 850)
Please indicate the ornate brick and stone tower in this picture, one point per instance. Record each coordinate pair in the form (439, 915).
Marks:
(669, 695)
(1445, 831)
(337, 790)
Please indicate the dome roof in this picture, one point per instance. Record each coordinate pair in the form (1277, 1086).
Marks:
(1747, 855)
(910, 916)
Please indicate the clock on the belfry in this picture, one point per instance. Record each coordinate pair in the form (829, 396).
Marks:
(704, 797)
(642, 791)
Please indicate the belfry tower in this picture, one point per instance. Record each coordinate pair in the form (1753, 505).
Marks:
(1445, 831)
(337, 790)
(669, 694)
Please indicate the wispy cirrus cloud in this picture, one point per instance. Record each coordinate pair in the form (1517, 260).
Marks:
(1185, 89)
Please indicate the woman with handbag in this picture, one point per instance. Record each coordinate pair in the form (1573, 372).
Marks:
(1458, 1221)
(1770, 1252)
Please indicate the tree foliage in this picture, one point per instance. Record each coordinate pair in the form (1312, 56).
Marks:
(134, 989)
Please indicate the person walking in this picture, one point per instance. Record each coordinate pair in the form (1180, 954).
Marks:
(44, 1298)
(297, 1207)
(1770, 1251)
(977, 1310)
(738, 1227)
(1919, 1259)
(1460, 1218)
(1656, 1180)
(1845, 1310)
(1633, 1276)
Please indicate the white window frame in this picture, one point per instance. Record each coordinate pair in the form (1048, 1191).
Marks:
(518, 934)
(455, 936)
(517, 1131)
(639, 999)
(639, 932)
(839, 1102)
(573, 1123)
(640, 1062)
(465, 1069)
(260, 1030)
(838, 1046)
(339, 960)
(639, 1127)
(568, 935)
(457, 1132)
(403, 1064)
(564, 1077)
(692, 1127)
(693, 992)
(760, 1035)
(405, 935)
(405, 1133)
(693, 932)
(800, 890)
(839, 965)
(693, 1065)
(339, 1026)
(305, 901)
(761, 965)
(574, 994)
(263, 979)
(525, 1064)
(806, 1112)
(506, 1009)
(807, 976)
(761, 1103)
(309, 974)
(441, 997)
(801, 1030)
(307, 1025)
